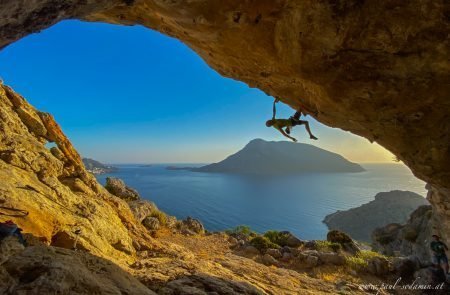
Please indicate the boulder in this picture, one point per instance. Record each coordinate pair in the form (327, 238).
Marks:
(118, 188)
(250, 251)
(404, 266)
(171, 222)
(378, 266)
(344, 240)
(49, 270)
(310, 244)
(191, 225)
(331, 258)
(268, 260)
(274, 253)
(233, 242)
(295, 252)
(309, 252)
(287, 257)
(306, 260)
(291, 240)
(432, 276)
(311, 261)
(9, 246)
(151, 223)
(142, 208)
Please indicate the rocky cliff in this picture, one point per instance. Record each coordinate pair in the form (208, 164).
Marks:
(386, 208)
(378, 69)
(411, 238)
(54, 187)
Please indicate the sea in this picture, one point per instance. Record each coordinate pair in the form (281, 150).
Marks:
(297, 203)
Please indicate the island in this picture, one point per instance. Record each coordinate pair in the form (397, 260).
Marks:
(388, 207)
(281, 157)
(95, 167)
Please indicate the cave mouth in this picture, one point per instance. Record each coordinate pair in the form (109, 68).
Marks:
(170, 88)
(99, 121)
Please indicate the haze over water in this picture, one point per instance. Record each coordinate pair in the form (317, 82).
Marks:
(297, 203)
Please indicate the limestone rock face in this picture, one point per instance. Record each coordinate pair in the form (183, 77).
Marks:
(203, 284)
(53, 186)
(48, 270)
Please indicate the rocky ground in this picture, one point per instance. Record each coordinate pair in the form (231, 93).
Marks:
(125, 245)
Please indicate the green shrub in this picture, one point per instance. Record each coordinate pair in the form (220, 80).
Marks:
(361, 259)
(356, 263)
(327, 246)
(161, 216)
(241, 230)
(277, 237)
(335, 247)
(262, 243)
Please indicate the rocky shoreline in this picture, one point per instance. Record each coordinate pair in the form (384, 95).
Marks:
(95, 167)
(387, 207)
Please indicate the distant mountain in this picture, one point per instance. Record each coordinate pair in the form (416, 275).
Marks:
(388, 207)
(96, 167)
(281, 157)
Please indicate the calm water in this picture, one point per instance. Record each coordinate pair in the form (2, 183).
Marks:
(296, 203)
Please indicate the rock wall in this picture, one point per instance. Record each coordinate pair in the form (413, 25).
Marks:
(409, 239)
(378, 69)
(54, 187)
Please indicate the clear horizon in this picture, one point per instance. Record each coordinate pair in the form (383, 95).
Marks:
(127, 94)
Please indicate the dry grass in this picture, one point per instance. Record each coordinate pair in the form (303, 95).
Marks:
(361, 260)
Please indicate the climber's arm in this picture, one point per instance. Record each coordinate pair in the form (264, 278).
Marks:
(274, 109)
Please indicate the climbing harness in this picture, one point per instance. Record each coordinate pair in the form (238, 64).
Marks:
(18, 212)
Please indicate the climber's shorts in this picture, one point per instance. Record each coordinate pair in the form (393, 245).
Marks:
(440, 259)
(296, 122)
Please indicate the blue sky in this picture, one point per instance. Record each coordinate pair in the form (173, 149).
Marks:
(132, 95)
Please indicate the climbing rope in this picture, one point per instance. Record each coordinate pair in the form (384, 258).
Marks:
(20, 212)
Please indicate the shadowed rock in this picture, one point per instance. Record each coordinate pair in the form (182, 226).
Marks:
(388, 207)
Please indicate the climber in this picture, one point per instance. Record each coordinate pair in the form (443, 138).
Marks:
(439, 257)
(9, 228)
(294, 120)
